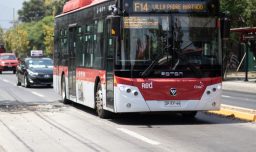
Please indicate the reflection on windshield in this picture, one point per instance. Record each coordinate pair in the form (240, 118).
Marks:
(40, 63)
(167, 38)
(7, 57)
(197, 39)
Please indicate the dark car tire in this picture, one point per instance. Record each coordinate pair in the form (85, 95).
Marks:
(18, 82)
(26, 83)
(14, 72)
(0, 72)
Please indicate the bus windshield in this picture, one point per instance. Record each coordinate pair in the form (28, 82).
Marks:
(176, 41)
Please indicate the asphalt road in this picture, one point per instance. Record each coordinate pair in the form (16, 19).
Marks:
(239, 99)
(34, 120)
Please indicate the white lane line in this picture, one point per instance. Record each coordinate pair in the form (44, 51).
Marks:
(38, 94)
(138, 136)
(226, 96)
(7, 81)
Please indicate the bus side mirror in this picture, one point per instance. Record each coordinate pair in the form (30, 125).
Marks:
(225, 27)
(114, 22)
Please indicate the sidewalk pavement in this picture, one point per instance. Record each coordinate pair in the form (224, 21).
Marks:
(234, 81)
(240, 85)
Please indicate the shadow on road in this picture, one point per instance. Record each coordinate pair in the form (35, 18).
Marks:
(150, 119)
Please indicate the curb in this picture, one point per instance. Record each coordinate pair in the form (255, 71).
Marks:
(236, 112)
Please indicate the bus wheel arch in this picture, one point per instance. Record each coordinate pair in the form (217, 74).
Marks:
(63, 89)
(98, 95)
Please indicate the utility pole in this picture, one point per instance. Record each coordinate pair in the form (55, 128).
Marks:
(14, 22)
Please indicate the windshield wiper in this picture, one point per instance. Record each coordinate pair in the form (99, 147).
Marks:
(150, 67)
(191, 66)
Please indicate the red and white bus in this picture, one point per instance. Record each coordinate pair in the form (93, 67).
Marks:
(124, 56)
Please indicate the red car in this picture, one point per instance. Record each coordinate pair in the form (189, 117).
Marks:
(8, 62)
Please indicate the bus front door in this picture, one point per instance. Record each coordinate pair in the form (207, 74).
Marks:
(110, 45)
(72, 62)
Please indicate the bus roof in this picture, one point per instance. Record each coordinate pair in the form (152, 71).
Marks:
(73, 5)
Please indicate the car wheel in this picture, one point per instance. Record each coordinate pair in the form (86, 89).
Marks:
(26, 83)
(18, 82)
(14, 71)
(99, 103)
(63, 91)
(0, 72)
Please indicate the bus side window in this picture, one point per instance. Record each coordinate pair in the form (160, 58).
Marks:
(98, 40)
(89, 46)
(80, 53)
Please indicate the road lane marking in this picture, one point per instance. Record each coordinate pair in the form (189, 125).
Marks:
(38, 94)
(138, 136)
(7, 81)
(224, 96)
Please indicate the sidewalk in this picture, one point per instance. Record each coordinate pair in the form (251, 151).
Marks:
(240, 86)
(235, 82)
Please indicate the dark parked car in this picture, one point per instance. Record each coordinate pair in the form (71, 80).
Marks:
(35, 71)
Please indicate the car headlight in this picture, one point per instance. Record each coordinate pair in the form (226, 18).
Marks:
(2, 62)
(32, 73)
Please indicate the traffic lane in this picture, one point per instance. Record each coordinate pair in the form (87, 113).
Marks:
(205, 133)
(28, 95)
(142, 133)
(77, 128)
(239, 99)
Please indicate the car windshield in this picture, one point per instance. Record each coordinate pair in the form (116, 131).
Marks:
(40, 63)
(7, 57)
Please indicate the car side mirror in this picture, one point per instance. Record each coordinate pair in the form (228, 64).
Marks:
(22, 67)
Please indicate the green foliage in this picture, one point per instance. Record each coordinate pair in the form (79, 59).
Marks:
(32, 10)
(53, 7)
(16, 40)
(242, 12)
(37, 27)
(1, 36)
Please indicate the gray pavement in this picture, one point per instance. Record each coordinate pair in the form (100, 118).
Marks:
(240, 86)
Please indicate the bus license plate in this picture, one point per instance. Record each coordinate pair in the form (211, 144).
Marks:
(173, 103)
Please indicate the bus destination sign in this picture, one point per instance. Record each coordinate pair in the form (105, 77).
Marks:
(169, 6)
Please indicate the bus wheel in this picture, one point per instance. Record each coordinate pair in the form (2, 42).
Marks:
(63, 91)
(99, 103)
(189, 114)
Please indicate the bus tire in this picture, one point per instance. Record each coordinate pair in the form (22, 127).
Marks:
(63, 91)
(99, 103)
(189, 114)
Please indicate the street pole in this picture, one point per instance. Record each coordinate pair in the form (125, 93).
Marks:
(247, 61)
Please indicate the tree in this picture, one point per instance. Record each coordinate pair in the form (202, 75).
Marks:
(1, 36)
(53, 7)
(16, 39)
(32, 10)
(242, 12)
(48, 29)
